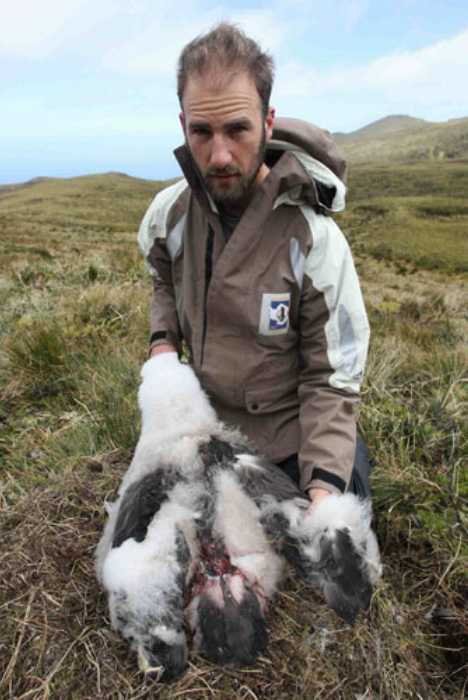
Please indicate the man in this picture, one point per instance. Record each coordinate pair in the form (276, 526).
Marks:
(252, 275)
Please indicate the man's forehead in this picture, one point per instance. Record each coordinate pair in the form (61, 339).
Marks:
(204, 96)
(219, 108)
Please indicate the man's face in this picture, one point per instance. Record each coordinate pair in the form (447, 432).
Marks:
(225, 132)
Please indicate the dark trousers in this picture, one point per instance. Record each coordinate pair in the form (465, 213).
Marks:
(362, 467)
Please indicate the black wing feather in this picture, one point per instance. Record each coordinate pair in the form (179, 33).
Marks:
(267, 479)
(139, 505)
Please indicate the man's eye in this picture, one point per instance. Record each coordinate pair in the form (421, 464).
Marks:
(200, 131)
(237, 129)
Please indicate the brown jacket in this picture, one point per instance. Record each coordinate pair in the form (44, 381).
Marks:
(274, 319)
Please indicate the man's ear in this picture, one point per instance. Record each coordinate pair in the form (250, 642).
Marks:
(269, 121)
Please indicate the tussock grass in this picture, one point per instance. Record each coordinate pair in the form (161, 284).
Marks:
(73, 334)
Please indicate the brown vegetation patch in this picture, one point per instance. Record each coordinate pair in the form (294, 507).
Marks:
(58, 642)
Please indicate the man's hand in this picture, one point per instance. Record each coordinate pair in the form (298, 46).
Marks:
(159, 349)
(316, 495)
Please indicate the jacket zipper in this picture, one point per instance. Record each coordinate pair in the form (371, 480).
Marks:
(208, 271)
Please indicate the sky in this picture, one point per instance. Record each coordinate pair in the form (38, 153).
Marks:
(88, 86)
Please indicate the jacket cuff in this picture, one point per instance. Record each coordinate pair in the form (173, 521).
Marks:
(323, 479)
(162, 338)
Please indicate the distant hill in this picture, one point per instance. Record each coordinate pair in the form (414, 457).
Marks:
(400, 138)
(383, 127)
(87, 203)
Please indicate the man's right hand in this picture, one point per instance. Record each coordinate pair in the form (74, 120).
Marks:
(159, 349)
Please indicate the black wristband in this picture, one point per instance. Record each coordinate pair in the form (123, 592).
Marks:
(329, 478)
(158, 335)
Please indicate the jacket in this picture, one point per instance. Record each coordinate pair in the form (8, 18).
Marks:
(273, 319)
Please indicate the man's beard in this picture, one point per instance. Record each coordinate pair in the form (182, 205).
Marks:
(239, 194)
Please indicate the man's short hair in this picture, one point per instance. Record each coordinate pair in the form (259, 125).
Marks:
(224, 49)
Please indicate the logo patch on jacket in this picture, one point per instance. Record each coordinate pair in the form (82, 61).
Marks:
(274, 314)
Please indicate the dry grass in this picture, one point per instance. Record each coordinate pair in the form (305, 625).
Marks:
(58, 642)
(73, 333)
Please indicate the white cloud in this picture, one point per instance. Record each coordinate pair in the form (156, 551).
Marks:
(442, 65)
(38, 28)
(138, 37)
(155, 49)
(278, 27)
(32, 28)
(427, 76)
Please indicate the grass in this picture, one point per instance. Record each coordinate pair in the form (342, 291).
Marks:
(415, 214)
(73, 334)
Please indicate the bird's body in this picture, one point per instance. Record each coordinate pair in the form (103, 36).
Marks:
(201, 530)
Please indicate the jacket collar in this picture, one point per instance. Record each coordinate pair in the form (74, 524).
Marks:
(285, 181)
(296, 176)
(194, 179)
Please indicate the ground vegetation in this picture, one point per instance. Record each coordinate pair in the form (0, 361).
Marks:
(73, 335)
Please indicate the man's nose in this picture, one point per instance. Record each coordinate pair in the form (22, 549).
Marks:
(220, 154)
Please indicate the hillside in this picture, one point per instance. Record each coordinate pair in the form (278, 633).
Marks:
(48, 217)
(382, 127)
(406, 139)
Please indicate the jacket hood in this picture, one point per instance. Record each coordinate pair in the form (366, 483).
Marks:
(316, 151)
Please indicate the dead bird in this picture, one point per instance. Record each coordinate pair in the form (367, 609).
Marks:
(195, 545)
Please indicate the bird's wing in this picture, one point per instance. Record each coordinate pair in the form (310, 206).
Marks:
(140, 503)
(261, 479)
(334, 548)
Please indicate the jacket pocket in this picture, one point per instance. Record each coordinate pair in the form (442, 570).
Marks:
(271, 399)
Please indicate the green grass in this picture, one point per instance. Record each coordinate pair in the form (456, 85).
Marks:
(416, 214)
(73, 335)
